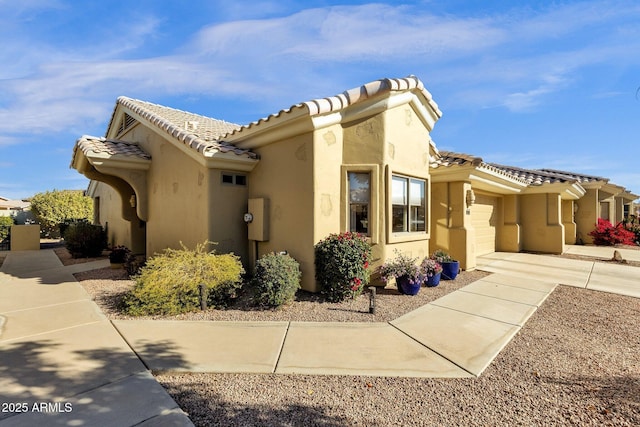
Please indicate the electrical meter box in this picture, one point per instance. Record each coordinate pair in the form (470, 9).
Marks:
(259, 224)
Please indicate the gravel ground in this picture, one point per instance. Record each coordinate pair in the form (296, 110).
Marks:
(576, 362)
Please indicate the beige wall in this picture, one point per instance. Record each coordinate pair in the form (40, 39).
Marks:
(586, 217)
(570, 229)
(25, 237)
(542, 230)
(108, 213)
(305, 180)
(510, 234)
(284, 176)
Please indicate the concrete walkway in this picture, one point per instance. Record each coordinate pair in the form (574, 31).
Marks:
(57, 348)
(61, 360)
(598, 276)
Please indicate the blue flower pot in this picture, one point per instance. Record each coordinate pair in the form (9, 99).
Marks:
(433, 280)
(406, 287)
(450, 270)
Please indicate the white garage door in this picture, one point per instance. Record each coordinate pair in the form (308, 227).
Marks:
(484, 214)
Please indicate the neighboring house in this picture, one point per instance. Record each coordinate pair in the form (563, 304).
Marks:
(360, 161)
(19, 210)
(480, 207)
(357, 161)
(602, 200)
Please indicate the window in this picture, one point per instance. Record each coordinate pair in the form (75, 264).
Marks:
(359, 201)
(408, 204)
(234, 179)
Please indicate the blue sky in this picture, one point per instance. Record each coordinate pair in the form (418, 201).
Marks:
(531, 84)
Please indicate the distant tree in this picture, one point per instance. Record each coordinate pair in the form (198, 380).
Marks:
(53, 208)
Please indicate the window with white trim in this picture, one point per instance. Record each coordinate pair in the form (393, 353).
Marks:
(408, 204)
(359, 201)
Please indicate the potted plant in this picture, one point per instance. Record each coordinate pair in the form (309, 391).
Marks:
(432, 270)
(408, 275)
(450, 267)
(118, 255)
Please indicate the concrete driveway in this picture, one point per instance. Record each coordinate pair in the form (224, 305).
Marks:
(598, 276)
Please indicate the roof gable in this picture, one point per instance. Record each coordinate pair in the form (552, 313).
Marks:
(350, 105)
(199, 133)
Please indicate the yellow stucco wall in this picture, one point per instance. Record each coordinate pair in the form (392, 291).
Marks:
(25, 237)
(542, 230)
(108, 213)
(570, 228)
(586, 217)
(284, 176)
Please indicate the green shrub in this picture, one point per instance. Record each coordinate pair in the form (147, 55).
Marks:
(85, 240)
(133, 263)
(276, 279)
(5, 225)
(342, 262)
(169, 282)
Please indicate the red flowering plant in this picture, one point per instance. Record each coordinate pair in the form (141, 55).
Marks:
(606, 234)
(342, 263)
(632, 223)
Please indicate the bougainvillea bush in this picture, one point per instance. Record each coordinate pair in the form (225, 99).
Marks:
(632, 223)
(606, 234)
(342, 263)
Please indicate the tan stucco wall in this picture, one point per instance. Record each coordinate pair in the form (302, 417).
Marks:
(108, 213)
(284, 176)
(451, 225)
(305, 180)
(542, 230)
(587, 215)
(227, 205)
(570, 228)
(25, 237)
(509, 238)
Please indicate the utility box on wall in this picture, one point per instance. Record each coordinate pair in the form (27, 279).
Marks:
(259, 224)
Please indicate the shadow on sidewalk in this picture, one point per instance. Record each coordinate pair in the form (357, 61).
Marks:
(46, 371)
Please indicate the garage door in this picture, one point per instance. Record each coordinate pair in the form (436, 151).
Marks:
(484, 214)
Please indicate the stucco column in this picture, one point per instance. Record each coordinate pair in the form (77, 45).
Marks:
(586, 216)
(462, 243)
(510, 239)
(568, 222)
(554, 222)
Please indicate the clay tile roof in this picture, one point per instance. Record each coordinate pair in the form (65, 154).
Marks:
(112, 147)
(534, 177)
(195, 131)
(574, 176)
(350, 97)
(449, 158)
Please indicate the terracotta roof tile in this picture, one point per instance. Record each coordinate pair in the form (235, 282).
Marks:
(574, 176)
(449, 158)
(350, 97)
(112, 147)
(533, 177)
(195, 131)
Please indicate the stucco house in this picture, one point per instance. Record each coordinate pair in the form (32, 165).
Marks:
(359, 161)
(480, 207)
(19, 210)
(356, 161)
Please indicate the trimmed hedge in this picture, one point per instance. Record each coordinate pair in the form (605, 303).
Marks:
(84, 240)
(276, 279)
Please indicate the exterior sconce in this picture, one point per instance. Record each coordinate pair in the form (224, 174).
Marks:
(470, 198)
(132, 200)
